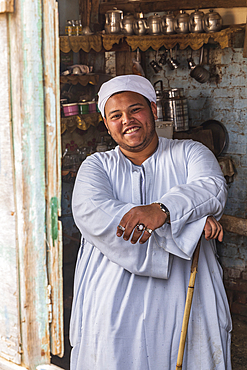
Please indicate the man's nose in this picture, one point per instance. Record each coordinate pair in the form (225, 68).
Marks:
(126, 118)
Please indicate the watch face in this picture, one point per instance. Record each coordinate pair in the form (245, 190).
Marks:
(163, 207)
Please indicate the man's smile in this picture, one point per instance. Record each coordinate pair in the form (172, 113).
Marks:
(131, 129)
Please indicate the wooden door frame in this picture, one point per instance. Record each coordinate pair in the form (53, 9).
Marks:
(28, 117)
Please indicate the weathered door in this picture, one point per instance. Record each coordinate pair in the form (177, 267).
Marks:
(31, 315)
(10, 338)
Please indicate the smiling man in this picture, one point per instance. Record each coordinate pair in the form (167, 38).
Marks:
(132, 126)
(141, 208)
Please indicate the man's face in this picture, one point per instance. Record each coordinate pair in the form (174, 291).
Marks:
(130, 121)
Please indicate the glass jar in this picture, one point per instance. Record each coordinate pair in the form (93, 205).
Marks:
(73, 27)
(69, 28)
(77, 30)
(80, 27)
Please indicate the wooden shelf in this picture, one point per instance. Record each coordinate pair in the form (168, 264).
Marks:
(108, 42)
(86, 43)
(80, 121)
(83, 80)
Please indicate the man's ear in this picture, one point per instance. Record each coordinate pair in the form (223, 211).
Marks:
(106, 125)
(154, 109)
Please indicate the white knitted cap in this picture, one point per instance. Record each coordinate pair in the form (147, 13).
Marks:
(133, 83)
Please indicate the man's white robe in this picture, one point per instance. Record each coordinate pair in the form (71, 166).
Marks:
(129, 298)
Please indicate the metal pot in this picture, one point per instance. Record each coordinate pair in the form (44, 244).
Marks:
(199, 73)
(168, 23)
(113, 21)
(176, 108)
(196, 22)
(140, 25)
(182, 22)
(128, 24)
(212, 21)
(154, 24)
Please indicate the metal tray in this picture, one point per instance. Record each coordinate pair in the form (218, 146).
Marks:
(220, 135)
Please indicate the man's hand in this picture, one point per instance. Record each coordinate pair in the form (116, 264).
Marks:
(213, 229)
(151, 216)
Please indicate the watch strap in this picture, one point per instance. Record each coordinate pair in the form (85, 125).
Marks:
(165, 210)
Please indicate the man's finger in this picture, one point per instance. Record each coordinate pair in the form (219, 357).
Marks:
(120, 230)
(213, 229)
(221, 234)
(136, 235)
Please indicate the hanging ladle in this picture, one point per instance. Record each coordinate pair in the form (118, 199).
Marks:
(172, 63)
(190, 60)
(199, 73)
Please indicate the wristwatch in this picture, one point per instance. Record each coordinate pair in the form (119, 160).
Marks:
(166, 210)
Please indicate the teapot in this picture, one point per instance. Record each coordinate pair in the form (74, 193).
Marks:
(212, 21)
(154, 24)
(127, 25)
(168, 23)
(113, 21)
(196, 21)
(182, 22)
(140, 25)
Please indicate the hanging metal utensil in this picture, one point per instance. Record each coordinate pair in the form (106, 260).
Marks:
(159, 99)
(163, 58)
(155, 65)
(175, 61)
(199, 73)
(190, 60)
(136, 67)
(172, 63)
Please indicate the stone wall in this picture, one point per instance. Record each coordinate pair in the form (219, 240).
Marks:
(223, 98)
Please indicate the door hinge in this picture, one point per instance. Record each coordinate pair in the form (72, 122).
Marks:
(49, 303)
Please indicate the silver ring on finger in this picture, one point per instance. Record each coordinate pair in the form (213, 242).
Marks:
(140, 227)
(121, 227)
(148, 230)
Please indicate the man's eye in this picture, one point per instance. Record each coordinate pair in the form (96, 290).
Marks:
(116, 116)
(135, 110)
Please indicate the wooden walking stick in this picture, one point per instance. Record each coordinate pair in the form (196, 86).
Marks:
(188, 306)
